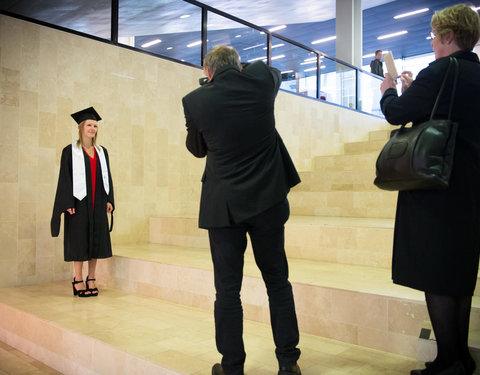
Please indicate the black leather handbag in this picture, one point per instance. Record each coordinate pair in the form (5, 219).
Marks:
(420, 157)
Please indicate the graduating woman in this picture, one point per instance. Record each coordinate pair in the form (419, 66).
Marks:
(85, 196)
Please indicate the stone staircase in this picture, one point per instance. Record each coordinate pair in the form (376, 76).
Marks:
(338, 241)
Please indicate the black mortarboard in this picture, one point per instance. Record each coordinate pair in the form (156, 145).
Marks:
(86, 114)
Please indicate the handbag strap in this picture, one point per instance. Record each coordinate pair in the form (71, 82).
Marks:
(453, 61)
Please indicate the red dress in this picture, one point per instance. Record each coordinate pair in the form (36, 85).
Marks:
(93, 169)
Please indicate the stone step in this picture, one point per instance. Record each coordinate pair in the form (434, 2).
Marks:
(367, 204)
(332, 239)
(355, 148)
(380, 135)
(354, 304)
(121, 333)
(345, 162)
(339, 240)
(339, 180)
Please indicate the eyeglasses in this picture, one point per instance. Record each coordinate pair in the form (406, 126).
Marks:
(432, 35)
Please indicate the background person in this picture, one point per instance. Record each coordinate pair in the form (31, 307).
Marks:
(437, 232)
(376, 65)
(247, 177)
(85, 196)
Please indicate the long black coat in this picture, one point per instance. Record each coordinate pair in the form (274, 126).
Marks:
(231, 121)
(86, 233)
(437, 233)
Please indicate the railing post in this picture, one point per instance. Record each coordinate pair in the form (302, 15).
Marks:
(269, 49)
(114, 21)
(318, 76)
(357, 86)
(204, 34)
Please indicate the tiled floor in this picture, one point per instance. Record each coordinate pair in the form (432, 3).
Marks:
(14, 362)
(179, 337)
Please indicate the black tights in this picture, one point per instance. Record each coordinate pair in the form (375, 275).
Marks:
(450, 321)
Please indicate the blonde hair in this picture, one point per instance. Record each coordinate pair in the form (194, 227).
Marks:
(80, 139)
(462, 20)
(220, 56)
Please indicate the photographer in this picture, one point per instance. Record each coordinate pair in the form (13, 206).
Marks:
(248, 174)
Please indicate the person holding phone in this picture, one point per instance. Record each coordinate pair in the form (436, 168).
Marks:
(437, 232)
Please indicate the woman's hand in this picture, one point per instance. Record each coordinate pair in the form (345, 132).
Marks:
(71, 211)
(109, 207)
(388, 83)
(407, 78)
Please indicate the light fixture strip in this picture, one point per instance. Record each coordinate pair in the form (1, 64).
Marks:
(257, 58)
(255, 46)
(403, 32)
(151, 43)
(324, 39)
(276, 46)
(411, 13)
(277, 28)
(194, 44)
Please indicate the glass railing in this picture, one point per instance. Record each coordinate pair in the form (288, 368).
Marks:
(184, 30)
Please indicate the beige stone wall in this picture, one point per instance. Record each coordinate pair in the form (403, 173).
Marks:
(47, 74)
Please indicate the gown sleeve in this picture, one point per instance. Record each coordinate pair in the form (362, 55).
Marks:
(110, 197)
(64, 197)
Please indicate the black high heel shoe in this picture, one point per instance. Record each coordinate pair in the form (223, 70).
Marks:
(80, 293)
(93, 291)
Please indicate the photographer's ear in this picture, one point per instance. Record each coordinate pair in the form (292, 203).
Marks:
(207, 72)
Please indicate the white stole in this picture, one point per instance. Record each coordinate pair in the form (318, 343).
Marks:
(78, 174)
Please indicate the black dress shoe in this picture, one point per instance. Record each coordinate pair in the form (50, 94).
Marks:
(289, 370)
(217, 369)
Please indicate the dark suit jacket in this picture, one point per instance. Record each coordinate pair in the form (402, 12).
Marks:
(231, 121)
(376, 67)
(437, 232)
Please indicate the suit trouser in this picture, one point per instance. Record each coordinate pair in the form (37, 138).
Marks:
(228, 245)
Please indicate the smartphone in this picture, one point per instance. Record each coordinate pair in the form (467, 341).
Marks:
(391, 68)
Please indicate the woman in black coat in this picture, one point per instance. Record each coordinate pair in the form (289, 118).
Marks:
(437, 232)
(84, 196)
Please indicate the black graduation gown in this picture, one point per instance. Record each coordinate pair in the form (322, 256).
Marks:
(86, 233)
(437, 232)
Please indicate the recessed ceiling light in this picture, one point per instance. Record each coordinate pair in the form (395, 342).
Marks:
(287, 71)
(392, 35)
(238, 36)
(324, 40)
(185, 16)
(194, 44)
(151, 43)
(169, 48)
(276, 46)
(255, 46)
(310, 69)
(411, 13)
(277, 28)
(278, 57)
(257, 58)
